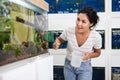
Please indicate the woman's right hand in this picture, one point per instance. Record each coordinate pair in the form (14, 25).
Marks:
(56, 44)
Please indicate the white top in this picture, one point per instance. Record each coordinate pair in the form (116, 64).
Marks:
(94, 40)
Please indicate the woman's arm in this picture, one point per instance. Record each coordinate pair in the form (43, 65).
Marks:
(57, 42)
(94, 54)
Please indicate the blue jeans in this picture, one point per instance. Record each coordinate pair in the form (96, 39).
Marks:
(84, 72)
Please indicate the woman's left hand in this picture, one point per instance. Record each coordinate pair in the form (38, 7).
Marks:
(86, 56)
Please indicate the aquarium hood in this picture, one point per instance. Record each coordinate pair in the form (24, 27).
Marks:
(38, 6)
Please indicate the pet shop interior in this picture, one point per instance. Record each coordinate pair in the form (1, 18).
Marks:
(28, 29)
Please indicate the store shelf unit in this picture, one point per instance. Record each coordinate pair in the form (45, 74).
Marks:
(35, 68)
(109, 23)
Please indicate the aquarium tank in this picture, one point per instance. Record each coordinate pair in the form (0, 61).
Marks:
(23, 31)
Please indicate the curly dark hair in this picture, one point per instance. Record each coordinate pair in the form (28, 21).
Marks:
(91, 14)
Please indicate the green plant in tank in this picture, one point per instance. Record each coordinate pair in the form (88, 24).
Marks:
(17, 51)
(4, 37)
(6, 22)
(7, 46)
(3, 8)
(9, 23)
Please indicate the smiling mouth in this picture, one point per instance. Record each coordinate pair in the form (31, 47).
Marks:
(80, 28)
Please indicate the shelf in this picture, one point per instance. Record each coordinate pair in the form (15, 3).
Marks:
(35, 68)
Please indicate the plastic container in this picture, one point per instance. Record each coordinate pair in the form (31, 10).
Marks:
(76, 58)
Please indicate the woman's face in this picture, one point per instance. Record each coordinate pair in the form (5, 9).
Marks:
(82, 23)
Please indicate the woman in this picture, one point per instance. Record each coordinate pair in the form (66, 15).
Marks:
(83, 39)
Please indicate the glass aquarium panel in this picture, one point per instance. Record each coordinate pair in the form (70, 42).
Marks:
(115, 73)
(115, 5)
(115, 38)
(72, 6)
(23, 34)
(98, 73)
(102, 33)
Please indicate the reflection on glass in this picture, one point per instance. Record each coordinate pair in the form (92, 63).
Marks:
(102, 32)
(115, 5)
(116, 38)
(72, 6)
(115, 73)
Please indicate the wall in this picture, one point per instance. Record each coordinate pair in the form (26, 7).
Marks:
(108, 20)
